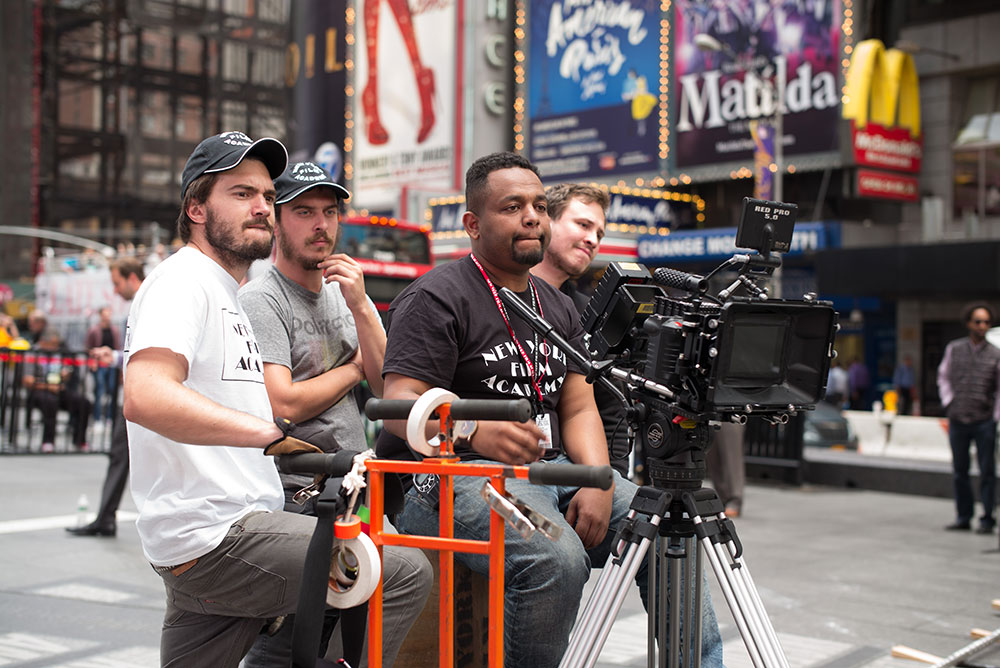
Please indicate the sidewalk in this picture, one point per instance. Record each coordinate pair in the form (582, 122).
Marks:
(844, 576)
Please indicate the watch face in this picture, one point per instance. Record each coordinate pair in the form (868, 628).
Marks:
(464, 429)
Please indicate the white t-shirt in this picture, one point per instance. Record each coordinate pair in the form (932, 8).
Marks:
(189, 495)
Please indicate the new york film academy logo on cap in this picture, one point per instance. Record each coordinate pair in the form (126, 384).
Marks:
(235, 138)
(308, 172)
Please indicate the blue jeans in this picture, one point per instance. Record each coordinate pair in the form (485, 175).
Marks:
(960, 436)
(103, 377)
(544, 579)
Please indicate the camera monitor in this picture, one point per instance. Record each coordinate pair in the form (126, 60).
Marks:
(623, 298)
(766, 226)
(771, 355)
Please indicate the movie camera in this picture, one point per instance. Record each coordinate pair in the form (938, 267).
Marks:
(691, 358)
(687, 359)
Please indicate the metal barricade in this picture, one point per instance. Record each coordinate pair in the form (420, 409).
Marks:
(774, 451)
(70, 396)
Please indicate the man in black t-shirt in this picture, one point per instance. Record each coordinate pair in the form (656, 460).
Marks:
(449, 329)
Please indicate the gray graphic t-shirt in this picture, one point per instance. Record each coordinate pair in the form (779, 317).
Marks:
(309, 334)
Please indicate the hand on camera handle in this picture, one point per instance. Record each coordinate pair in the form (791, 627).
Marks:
(288, 443)
(508, 442)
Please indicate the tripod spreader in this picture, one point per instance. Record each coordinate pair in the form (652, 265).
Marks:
(705, 503)
(647, 502)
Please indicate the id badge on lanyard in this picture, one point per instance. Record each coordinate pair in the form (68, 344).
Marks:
(544, 422)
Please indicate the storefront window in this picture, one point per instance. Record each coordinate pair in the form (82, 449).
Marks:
(976, 152)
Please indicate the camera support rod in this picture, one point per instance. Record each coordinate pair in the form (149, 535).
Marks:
(537, 323)
(594, 371)
(643, 383)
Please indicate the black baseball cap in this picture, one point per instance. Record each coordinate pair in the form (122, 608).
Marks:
(302, 176)
(225, 151)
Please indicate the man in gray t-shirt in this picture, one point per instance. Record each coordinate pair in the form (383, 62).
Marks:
(319, 336)
(302, 336)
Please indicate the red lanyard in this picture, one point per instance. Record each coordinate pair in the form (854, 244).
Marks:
(535, 380)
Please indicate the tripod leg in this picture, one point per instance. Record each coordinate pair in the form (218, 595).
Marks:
(696, 608)
(722, 577)
(676, 553)
(591, 632)
(593, 626)
(684, 561)
(742, 573)
(755, 628)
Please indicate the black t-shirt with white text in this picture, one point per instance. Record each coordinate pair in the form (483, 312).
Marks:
(447, 330)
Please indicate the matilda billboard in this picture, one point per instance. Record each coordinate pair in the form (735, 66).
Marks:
(716, 94)
(593, 87)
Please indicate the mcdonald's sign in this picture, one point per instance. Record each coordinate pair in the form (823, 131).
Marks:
(882, 101)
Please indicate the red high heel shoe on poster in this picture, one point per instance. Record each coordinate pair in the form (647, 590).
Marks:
(425, 87)
(377, 134)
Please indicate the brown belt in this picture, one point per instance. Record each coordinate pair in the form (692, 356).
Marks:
(180, 569)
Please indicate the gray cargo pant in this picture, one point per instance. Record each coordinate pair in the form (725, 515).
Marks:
(217, 606)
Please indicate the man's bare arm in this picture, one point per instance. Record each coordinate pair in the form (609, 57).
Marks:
(580, 423)
(156, 399)
(371, 339)
(583, 439)
(305, 399)
(404, 387)
(346, 271)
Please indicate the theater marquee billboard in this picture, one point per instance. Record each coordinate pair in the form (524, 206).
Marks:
(716, 94)
(593, 86)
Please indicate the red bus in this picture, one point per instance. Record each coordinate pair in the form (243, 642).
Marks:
(391, 252)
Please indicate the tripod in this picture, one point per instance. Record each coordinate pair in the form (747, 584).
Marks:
(679, 517)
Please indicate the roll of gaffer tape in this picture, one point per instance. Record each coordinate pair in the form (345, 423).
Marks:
(426, 404)
(354, 572)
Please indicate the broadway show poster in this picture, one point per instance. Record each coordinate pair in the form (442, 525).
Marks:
(593, 86)
(404, 98)
(715, 94)
(314, 69)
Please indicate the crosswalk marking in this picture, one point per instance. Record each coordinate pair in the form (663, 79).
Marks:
(23, 647)
(85, 592)
(129, 657)
(53, 522)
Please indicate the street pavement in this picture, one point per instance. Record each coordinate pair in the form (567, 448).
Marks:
(844, 575)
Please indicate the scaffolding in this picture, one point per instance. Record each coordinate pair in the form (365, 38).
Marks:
(127, 88)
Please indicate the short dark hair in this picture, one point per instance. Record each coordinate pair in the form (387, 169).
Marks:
(561, 195)
(197, 193)
(972, 308)
(478, 173)
(129, 266)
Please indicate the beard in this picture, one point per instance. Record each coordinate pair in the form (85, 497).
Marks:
(300, 255)
(529, 257)
(229, 244)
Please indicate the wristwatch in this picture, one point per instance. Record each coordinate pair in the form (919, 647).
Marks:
(462, 432)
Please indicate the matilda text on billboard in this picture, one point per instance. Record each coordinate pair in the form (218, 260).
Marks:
(764, 46)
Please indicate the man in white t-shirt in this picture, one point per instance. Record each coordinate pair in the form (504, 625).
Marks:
(199, 420)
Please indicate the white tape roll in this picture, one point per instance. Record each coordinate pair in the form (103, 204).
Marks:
(354, 572)
(420, 413)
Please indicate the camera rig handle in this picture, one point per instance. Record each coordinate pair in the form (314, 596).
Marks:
(516, 410)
